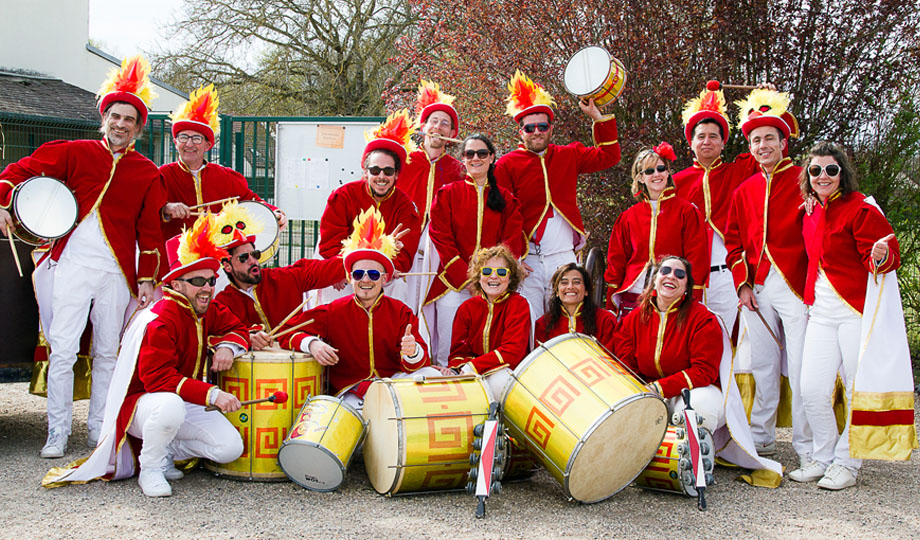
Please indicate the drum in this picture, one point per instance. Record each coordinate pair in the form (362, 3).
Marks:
(420, 434)
(317, 452)
(591, 423)
(670, 469)
(519, 463)
(42, 208)
(267, 240)
(593, 73)
(264, 426)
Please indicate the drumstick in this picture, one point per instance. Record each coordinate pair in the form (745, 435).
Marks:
(764, 321)
(289, 315)
(289, 330)
(740, 86)
(445, 378)
(277, 397)
(214, 202)
(9, 236)
(451, 139)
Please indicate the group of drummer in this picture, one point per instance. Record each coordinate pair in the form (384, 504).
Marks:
(474, 298)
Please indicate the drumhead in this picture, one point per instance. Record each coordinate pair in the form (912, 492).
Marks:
(265, 240)
(45, 207)
(274, 355)
(587, 70)
(311, 465)
(384, 445)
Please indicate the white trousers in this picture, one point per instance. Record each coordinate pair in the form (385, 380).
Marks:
(706, 401)
(831, 346)
(172, 427)
(78, 291)
(446, 309)
(785, 313)
(537, 287)
(721, 297)
(426, 261)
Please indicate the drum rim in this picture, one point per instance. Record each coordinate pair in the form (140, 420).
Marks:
(215, 468)
(19, 224)
(400, 438)
(272, 247)
(604, 80)
(343, 468)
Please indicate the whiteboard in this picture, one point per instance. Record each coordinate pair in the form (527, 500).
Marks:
(313, 158)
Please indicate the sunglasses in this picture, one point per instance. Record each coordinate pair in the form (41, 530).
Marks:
(501, 272)
(197, 139)
(679, 273)
(542, 127)
(650, 171)
(387, 171)
(831, 170)
(255, 254)
(372, 275)
(481, 153)
(199, 281)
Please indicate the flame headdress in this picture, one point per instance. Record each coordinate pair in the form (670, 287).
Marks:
(199, 113)
(368, 241)
(394, 134)
(131, 84)
(235, 226)
(527, 97)
(764, 107)
(194, 249)
(431, 99)
(710, 104)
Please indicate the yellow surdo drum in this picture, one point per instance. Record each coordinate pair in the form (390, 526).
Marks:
(321, 444)
(264, 426)
(420, 434)
(591, 423)
(670, 469)
(593, 73)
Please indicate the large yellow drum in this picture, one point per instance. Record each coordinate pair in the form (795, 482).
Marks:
(591, 423)
(264, 426)
(321, 444)
(420, 434)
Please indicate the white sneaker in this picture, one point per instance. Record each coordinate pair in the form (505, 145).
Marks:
(765, 449)
(171, 472)
(837, 477)
(153, 483)
(809, 473)
(55, 445)
(93, 440)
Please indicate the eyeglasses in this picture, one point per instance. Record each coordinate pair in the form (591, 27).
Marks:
(501, 272)
(650, 171)
(197, 139)
(255, 254)
(482, 153)
(679, 273)
(831, 170)
(387, 171)
(542, 127)
(372, 275)
(199, 281)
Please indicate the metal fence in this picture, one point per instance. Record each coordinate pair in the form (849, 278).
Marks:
(21, 134)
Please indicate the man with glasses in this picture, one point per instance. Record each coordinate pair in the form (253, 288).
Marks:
(544, 176)
(192, 181)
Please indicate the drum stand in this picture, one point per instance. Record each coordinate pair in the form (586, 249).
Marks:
(486, 459)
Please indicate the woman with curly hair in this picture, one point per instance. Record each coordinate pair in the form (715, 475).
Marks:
(572, 309)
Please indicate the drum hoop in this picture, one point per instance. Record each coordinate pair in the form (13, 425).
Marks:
(401, 443)
(342, 467)
(603, 81)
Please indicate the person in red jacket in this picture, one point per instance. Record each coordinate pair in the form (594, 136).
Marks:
(674, 342)
(427, 170)
(659, 224)
(766, 255)
(112, 254)
(497, 221)
(491, 333)
(572, 309)
(192, 180)
(544, 179)
(847, 239)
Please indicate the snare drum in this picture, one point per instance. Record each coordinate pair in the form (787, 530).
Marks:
(321, 444)
(42, 208)
(264, 426)
(267, 240)
(420, 434)
(593, 73)
(670, 469)
(591, 423)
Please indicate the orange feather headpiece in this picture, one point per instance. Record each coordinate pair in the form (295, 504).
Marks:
(431, 99)
(527, 97)
(710, 104)
(394, 134)
(199, 113)
(368, 241)
(130, 84)
(194, 249)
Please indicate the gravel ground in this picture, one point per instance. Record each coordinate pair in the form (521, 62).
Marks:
(885, 504)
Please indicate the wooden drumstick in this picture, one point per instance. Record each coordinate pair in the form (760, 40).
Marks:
(289, 330)
(764, 321)
(451, 139)
(202, 205)
(9, 236)
(740, 86)
(277, 397)
(289, 315)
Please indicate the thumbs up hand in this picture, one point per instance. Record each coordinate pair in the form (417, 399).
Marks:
(880, 249)
(408, 346)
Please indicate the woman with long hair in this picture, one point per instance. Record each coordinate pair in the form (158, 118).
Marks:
(572, 309)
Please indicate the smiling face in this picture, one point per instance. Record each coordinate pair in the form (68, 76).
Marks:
(190, 152)
(658, 180)
(571, 289)
(824, 185)
(476, 166)
(536, 141)
(493, 285)
(706, 142)
(670, 287)
(243, 273)
(121, 126)
(380, 184)
(199, 297)
(439, 123)
(767, 145)
(366, 290)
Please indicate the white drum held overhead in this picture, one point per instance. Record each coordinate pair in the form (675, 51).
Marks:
(593, 73)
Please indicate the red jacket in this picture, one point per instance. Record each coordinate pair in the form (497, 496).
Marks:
(606, 326)
(421, 179)
(456, 239)
(280, 291)
(641, 236)
(348, 201)
(551, 178)
(839, 239)
(675, 356)
(129, 197)
(368, 340)
(215, 183)
(491, 336)
(711, 189)
(754, 244)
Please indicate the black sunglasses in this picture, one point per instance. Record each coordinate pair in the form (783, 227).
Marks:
(387, 171)
(255, 254)
(199, 281)
(482, 153)
(372, 275)
(542, 127)
(650, 171)
(679, 273)
(831, 169)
